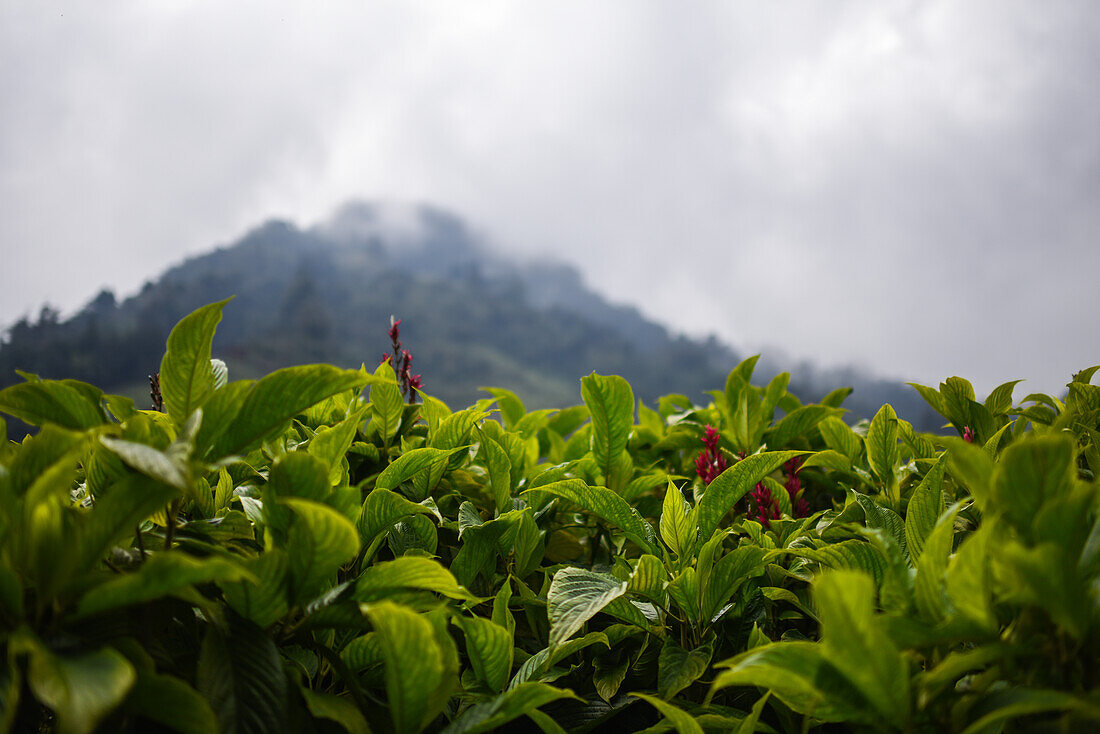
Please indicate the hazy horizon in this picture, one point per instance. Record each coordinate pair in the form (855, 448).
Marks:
(908, 187)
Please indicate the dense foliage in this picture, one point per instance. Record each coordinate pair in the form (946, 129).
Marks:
(332, 550)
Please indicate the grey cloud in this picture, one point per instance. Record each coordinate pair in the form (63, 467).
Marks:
(907, 185)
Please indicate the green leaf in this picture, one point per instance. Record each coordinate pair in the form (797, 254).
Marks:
(925, 507)
(411, 462)
(800, 675)
(539, 663)
(931, 396)
(1013, 703)
(387, 403)
(606, 505)
(851, 554)
(490, 715)
(381, 510)
(678, 668)
(575, 596)
(727, 576)
(969, 581)
(68, 404)
(299, 474)
(414, 664)
(169, 701)
(677, 528)
(241, 675)
(883, 518)
(80, 689)
(840, 438)
(341, 710)
(500, 473)
(408, 572)
(857, 644)
(683, 722)
(882, 444)
(1030, 474)
(610, 401)
(649, 578)
(331, 444)
(320, 540)
(797, 423)
(489, 647)
(1000, 400)
(733, 484)
(186, 372)
(511, 407)
(270, 403)
(263, 602)
(164, 573)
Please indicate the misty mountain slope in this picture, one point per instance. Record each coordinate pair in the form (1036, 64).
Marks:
(470, 317)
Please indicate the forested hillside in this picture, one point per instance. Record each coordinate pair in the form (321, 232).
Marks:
(470, 318)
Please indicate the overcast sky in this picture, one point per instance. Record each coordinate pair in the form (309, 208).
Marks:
(909, 186)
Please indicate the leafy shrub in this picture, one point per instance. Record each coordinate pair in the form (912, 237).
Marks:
(312, 552)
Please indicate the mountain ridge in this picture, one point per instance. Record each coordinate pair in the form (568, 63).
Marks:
(471, 317)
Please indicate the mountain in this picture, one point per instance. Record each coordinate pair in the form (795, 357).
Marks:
(470, 317)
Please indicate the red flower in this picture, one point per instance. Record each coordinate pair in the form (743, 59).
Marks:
(767, 509)
(710, 462)
(968, 434)
(394, 331)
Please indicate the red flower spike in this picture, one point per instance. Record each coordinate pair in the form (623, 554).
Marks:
(710, 462)
(394, 332)
(968, 434)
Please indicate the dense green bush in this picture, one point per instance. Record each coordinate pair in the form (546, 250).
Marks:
(313, 552)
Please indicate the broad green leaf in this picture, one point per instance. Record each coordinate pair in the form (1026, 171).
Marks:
(490, 715)
(1031, 473)
(265, 601)
(80, 689)
(733, 484)
(408, 572)
(925, 507)
(299, 474)
(409, 463)
(1013, 703)
(511, 407)
(839, 437)
(162, 574)
(414, 663)
(320, 540)
(169, 467)
(489, 647)
(931, 396)
(800, 675)
(748, 724)
(541, 661)
(649, 578)
(969, 580)
(877, 516)
(1000, 399)
(186, 372)
(575, 596)
(677, 528)
(331, 444)
(732, 570)
(387, 403)
(678, 668)
(270, 403)
(683, 722)
(859, 646)
(500, 473)
(796, 424)
(882, 444)
(67, 404)
(381, 510)
(241, 675)
(610, 402)
(851, 554)
(606, 505)
(334, 708)
(170, 702)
